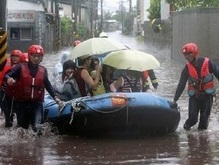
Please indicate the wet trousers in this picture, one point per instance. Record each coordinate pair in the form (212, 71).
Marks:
(199, 105)
(8, 105)
(1, 97)
(29, 113)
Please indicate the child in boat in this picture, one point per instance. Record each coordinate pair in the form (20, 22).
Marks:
(65, 84)
(100, 89)
(129, 81)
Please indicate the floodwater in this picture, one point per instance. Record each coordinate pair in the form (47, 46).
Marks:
(187, 148)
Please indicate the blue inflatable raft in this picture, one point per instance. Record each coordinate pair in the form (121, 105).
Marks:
(114, 114)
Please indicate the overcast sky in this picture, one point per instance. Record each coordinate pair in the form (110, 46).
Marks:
(113, 5)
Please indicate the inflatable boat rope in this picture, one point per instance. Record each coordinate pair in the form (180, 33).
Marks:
(78, 103)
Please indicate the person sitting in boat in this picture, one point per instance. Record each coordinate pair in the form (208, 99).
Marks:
(149, 74)
(83, 78)
(129, 81)
(65, 84)
(100, 89)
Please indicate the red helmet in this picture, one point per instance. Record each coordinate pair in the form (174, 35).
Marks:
(16, 53)
(24, 57)
(190, 48)
(36, 49)
(76, 42)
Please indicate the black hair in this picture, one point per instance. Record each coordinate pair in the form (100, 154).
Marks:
(67, 65)
(94, 61)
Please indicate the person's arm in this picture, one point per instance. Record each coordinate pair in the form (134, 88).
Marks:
(115, 85)
(13, 76)
(92, 83)
(153, 78)
(152, 74)
(214, 69)
(49, 88)
(182, 83)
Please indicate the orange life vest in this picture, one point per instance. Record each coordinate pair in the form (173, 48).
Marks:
(30, 88)
(196, 84)
(7, 67)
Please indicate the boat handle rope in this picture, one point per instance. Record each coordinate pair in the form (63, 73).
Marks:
(118, 109)
(74, 104)
(79, 103)
(76, 107)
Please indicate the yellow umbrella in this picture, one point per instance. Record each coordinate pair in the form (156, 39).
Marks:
(95, 46)
(131, 60)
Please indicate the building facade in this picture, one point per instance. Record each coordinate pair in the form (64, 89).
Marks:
(25, 26)
(38, 22)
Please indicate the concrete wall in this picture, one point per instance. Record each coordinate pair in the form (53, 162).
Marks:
(199, 25)
(161, 39)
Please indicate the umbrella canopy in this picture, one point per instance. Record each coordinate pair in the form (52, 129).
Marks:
(131, 60)
(95, 46)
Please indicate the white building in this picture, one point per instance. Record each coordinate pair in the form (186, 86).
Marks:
(142, 14)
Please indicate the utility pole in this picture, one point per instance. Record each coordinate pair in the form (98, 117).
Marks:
(131, 16)
(91, 17)
(101, 15)
(122, 15)
(3, 34)
(57, 27)
(72, 18)
(75, 11)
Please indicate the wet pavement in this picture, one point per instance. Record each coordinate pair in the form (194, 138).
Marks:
(189, 148)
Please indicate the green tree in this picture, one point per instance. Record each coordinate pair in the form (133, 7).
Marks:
(154, 10)
(182, 4)
(66, 31)
(108, 15)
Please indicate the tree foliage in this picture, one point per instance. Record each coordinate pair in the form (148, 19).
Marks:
(181, 4)
(66, 25)
(154, 10)
(66, 31)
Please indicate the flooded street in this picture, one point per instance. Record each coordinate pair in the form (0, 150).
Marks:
(187, 148)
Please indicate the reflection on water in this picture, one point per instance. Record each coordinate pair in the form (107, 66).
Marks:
(192, 148)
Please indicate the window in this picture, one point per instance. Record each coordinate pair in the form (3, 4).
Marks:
(20, 33)
(26, 33)
(15, 33)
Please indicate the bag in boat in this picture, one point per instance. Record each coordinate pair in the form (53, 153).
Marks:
(100, 89)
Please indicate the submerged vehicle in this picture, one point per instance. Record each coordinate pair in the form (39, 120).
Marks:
(128, 114)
